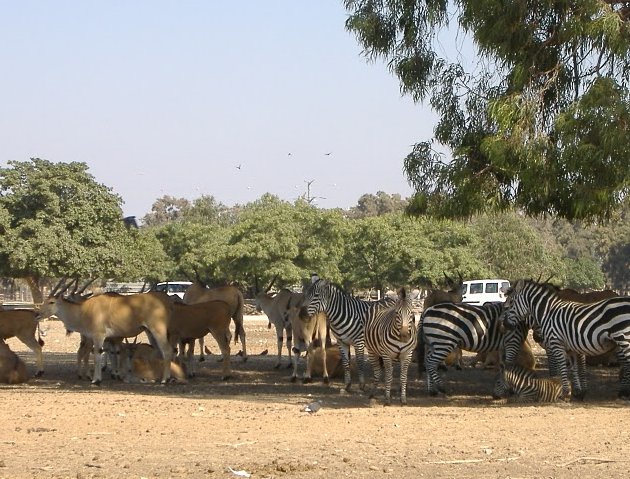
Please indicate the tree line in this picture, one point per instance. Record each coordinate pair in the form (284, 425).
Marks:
(57, 220)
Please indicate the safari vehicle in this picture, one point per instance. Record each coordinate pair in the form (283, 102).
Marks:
(177, 288)
(484, 291)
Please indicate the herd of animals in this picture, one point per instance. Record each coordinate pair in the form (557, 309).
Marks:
(570, 326)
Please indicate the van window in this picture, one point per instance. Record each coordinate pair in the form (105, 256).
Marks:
(476, 288)
(492, 287)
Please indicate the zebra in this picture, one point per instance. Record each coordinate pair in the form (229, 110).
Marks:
(572, 330)
(446, 326)
(346, 316)
(390, 335)
(520, 384)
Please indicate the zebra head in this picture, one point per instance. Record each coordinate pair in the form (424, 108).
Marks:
(316, 297)
(405, 319)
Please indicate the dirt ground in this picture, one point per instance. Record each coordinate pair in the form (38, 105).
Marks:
(60, 427)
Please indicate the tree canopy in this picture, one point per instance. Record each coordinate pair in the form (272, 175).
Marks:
(541, 121)
(56, 220)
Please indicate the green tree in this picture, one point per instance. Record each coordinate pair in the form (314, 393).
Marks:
(166, 209)
(56, 220)
(513, 248)
(541, 123)
(376, 205)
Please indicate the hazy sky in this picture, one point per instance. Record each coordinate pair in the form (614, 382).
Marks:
(169, 97)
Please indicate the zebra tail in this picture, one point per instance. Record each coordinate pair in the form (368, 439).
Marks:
(420, 350)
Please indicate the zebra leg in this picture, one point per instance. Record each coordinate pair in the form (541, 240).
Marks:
(623, 355)
(344, 351)
(404, 368)
(434, 381)
(558, 363)
(578, 385)
(358, 349)
(389, 373)
(377, 372)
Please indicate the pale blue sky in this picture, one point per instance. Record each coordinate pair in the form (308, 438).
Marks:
(169, 97)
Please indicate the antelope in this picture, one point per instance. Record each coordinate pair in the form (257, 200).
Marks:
(23, 324)
(200, 293)
(12, 368)
(311, 333)
(275, 307)
(193, 321)
(114, 316)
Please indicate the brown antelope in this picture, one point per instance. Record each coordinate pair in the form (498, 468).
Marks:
(453, 295)
(311, 333)
(114, 316)
(275, 307)
(193, 321)
(24, 325)
(140, 362)
(200, 293)
(12, 368)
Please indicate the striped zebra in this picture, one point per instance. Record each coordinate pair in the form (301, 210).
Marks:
(390, 335)
(521, 385)
(346, 316)
(571, 330)
(446, 326)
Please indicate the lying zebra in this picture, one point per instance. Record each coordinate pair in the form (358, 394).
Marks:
(517, 384)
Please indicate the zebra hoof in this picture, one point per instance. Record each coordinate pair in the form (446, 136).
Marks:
(227, 377)
(293, 379)
(326, 380)
(578, 395)
(39, 374)
(202, 359)
(307, 380)
(96, 383)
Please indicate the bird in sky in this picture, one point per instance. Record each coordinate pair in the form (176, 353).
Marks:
(238, 167)
(328, 154)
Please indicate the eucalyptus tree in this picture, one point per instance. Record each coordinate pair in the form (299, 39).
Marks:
(537, 119)
(57, 221)
(513, 248)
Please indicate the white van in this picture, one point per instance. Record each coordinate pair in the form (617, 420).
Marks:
(173, 288)
(484, 291)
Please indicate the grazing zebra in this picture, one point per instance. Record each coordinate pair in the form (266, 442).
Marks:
(446, 326)
(574, 328)
(390, 335)
(521, 385)
(346, 316)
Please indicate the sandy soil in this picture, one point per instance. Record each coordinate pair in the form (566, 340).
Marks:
(60, 427)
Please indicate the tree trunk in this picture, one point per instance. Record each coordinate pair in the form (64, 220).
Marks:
(36, 292)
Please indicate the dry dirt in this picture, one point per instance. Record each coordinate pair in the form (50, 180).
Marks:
(58, 426)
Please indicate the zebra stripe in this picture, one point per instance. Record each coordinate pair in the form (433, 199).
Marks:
(575, 328)
(473, 328)
(521, 385)
(390, 335)
(346, 316)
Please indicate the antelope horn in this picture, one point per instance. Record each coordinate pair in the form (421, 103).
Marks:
(84, 287)
(53, 292)
(271, 284)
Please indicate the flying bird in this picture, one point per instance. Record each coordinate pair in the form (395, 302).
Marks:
(238, 167)
(328, 154)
